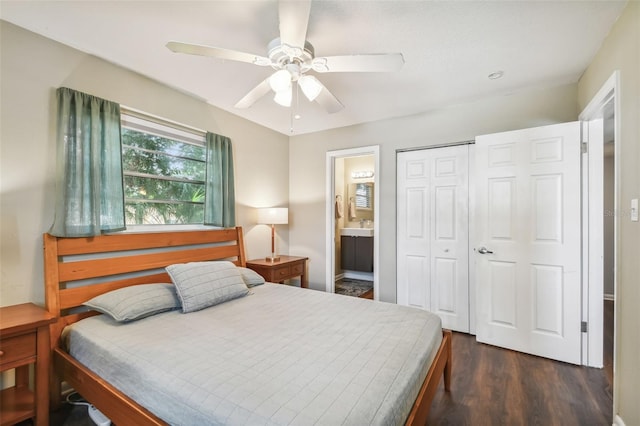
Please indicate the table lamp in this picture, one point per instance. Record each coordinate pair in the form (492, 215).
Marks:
(273, 216)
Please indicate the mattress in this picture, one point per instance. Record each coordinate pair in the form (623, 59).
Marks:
(278, 356)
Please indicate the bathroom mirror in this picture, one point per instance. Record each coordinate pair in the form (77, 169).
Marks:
(360, 201)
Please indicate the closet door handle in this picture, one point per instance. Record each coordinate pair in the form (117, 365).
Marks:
(483, 250)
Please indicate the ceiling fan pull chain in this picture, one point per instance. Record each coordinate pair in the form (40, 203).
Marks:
(291, 120)
(294, 114)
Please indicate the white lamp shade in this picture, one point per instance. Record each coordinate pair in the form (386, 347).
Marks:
(310, 86)
(273, 215)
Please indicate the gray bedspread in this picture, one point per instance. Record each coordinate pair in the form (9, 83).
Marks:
(281, 355)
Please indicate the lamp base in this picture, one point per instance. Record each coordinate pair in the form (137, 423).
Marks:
(272, 259)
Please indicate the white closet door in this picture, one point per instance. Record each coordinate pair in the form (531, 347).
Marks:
(433, 233)
(527, 221)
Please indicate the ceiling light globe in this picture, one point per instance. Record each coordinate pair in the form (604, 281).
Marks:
(283, 97)
(280, 81)
(310, 86)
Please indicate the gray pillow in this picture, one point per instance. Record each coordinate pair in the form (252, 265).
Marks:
(135, 302)
(251, 278)
(203, 284)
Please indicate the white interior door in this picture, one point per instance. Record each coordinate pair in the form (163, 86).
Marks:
(527, 227)
(433, 233)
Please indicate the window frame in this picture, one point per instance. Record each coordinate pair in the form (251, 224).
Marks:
(146, 123)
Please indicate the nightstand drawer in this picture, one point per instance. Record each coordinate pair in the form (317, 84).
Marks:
(17, 348)
(282, 273)
(297, 269)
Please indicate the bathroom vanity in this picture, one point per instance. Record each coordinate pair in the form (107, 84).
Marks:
(357, 249)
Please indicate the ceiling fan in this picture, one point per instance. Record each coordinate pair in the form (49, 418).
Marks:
(292, 56)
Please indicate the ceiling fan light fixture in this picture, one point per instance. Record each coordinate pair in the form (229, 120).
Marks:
(283, 97)
(310, 86)
(280, 81)
(291, 56)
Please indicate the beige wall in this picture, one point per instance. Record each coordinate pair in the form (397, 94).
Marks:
(307, 157)
(621, 51)
(32, 67)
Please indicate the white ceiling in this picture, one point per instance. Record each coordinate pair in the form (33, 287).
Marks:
(449, 48)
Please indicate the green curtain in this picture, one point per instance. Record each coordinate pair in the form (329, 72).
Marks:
(89, 188)
(220, 202)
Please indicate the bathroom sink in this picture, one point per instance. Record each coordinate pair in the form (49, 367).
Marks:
(357, 232)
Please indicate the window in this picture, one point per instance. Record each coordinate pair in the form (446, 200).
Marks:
(364, 196)
(164, 172)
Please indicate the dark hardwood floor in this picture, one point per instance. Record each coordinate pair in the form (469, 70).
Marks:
(494, 386)
(368, 295)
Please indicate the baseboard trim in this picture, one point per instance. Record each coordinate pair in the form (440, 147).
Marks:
(617, 421)
(610, 297)
(355, 275)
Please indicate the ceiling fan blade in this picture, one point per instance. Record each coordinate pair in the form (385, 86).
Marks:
(256, 93)
(217, 52)
(294, 19)
(327, 101)
(383, 62)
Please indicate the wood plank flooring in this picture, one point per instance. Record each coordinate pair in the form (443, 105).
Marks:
(494, 386)
(368, 295)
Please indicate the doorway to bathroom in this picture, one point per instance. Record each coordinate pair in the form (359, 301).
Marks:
(352, 225)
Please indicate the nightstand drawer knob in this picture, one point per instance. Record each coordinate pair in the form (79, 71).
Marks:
(1, 353)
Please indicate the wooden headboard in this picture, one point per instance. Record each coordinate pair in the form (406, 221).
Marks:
(78, 269)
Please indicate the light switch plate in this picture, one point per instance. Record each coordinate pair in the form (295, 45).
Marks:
(634, 210)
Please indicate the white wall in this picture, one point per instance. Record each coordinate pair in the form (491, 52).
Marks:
(32, 68)
(621, 51)
(457, 123)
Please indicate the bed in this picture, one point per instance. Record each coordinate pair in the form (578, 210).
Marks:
(278, 355)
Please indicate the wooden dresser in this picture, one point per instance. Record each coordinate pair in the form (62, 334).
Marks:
(24, 340)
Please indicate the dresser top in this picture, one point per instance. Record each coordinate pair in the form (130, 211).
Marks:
(283, 260)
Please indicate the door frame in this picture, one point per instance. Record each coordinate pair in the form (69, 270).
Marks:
(593, 296)
(330, 242)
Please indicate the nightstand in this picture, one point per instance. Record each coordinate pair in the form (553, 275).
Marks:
(24, 340)
(285, 268)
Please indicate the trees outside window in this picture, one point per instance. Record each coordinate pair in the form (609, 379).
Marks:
(164, 174)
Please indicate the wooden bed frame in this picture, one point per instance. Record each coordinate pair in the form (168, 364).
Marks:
(69, 260)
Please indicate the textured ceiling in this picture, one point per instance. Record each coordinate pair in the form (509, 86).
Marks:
(449, 48)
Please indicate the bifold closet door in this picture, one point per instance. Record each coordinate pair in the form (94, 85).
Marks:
(433, 233)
